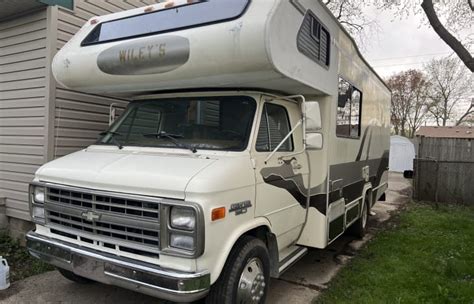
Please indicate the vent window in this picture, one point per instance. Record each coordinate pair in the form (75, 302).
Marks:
(314, 40)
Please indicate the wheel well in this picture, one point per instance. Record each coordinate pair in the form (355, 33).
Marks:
(259, 232)
(265, 235)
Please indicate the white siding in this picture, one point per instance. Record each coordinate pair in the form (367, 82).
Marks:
(26, 140)
(22, 107)
(81, 117)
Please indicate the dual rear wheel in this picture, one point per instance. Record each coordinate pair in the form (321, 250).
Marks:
(359, 228)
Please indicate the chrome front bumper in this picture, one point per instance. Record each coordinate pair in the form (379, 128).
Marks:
(126, 273)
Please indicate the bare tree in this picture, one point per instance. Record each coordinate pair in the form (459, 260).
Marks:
(455, 14)
(409, 101)
(446, 36)
(450, 86)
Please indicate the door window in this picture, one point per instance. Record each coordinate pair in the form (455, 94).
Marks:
(274, 126)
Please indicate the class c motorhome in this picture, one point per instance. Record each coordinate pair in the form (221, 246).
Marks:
(256, 130)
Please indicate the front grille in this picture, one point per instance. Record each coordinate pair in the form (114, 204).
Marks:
(124, 224)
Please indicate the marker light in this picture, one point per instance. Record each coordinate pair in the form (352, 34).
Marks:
(169, 4)
(218, 213)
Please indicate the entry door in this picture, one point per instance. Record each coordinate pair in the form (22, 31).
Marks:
(281, 181)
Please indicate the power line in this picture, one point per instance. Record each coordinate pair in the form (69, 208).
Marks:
(412, 56)
(399, 64)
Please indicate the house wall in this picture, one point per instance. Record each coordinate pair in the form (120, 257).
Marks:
(40, 120)
(23, 93)
(80, 117)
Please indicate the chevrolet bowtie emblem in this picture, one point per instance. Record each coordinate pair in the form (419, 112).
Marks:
(90, 216)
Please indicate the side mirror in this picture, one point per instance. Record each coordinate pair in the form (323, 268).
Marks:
(313, 116)
(314, 141)
(112, 112)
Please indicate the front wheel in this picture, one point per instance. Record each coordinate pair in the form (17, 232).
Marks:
(245, 276)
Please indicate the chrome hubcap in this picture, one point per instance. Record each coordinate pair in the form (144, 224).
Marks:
(252, 283)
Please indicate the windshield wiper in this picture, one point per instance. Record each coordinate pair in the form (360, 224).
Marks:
(112, 137)
(172, 138)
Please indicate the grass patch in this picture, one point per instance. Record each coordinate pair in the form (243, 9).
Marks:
(428, 257)
(22, 265)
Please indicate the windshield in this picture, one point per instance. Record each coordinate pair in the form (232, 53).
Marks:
(212, 123)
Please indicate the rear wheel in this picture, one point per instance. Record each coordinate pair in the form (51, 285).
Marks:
(245, 276)
(359, 228)
(71, 276)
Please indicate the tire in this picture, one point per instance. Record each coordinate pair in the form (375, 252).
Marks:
(71, 276)
(359, 228)
(248, 265)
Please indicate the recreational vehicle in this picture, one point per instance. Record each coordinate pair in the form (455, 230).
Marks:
(256, 130)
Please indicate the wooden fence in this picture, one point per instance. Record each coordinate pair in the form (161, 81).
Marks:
(444, 170)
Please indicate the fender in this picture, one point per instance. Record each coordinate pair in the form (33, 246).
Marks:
(221, 258)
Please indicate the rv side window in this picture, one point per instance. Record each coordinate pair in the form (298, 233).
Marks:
(348, 110)
(274, 126)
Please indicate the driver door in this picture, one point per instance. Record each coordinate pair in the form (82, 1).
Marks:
(281, 181)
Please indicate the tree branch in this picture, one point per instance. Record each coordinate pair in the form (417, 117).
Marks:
(357, 27)
(341, 7)
(470, 4)
(446, 36)
(466, 114)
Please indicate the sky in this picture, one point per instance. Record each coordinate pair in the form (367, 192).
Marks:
(401, 44)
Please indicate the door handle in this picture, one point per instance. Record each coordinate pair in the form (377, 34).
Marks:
(297, 166)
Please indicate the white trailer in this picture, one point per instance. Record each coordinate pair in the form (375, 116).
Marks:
(256, 130)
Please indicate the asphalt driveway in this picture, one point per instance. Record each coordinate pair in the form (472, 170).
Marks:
(300, 284)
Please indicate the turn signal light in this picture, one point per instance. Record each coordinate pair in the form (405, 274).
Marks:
(218, 213)
(169, 4)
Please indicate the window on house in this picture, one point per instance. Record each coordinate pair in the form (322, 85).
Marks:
(274, 126)
(349, 105)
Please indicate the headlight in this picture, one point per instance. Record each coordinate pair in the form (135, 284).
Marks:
(38, 195)
(180, 241)
(37, 213)
(183, 218)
